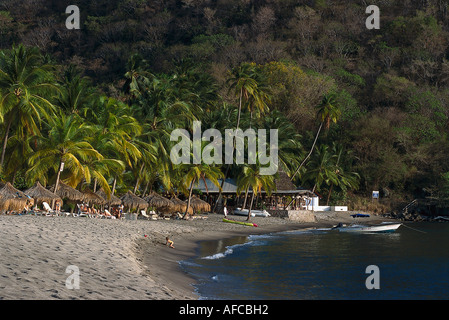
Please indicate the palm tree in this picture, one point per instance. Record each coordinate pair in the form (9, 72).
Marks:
(344, 179)
(322, 168)
(251, 178)
(327, 111)
(195, 172)
(289, 141)
(66, 143)
(116, 132)
(249, 87)
(24, 86)
(75, 93)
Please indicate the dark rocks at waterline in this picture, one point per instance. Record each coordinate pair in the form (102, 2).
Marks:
(415, 217)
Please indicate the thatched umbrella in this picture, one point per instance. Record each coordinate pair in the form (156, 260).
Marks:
(157, 201)
(92, 198)
(130, 200)
(13, 199)
(199, 205)
(40, 194)
(67, 192)
(113, 201)
(181, 206)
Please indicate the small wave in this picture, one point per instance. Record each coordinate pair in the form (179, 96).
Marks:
(230, 249)
(220, 254)
(188, 263)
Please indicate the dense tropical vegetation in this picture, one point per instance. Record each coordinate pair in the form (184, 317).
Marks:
(357, 109)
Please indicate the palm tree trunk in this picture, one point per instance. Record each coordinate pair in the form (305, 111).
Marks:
(188, 201)
(310, 152)
(246, 197)
(240, 107)
(113, 186)
(146, 188)
(57, 177)
(5, 142)
(329, 195)
(95, 185)
(250, 207)
(233, 147)
(138, 178)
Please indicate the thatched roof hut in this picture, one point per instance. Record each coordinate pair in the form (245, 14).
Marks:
(92, 198)
(40, 194)
(67, 192)
(13, 199)
(199, 205)
(155, 200)
(113, 201)
(179, 205)
(283, 182)
(130, 200)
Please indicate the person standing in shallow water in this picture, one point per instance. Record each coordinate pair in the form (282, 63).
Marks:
(225, 211)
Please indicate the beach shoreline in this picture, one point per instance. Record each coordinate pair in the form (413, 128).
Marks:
(117, 259)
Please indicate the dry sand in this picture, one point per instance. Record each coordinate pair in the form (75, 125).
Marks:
(115, 259)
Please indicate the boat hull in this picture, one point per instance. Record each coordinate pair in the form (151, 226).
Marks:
(254, 213)
(391, 227)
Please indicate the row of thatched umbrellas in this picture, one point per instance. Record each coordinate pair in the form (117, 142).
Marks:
(12, 199)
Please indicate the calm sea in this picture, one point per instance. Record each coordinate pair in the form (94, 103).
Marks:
(325, 264)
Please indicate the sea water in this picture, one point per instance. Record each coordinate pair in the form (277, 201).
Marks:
(325, 264)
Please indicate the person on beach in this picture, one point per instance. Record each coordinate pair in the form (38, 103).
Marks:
(169, 243)
(58, 207)
(25, 209)
(225, 211)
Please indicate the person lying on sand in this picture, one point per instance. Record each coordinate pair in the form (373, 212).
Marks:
(169, 243)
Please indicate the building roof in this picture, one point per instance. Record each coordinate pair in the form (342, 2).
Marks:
(230, 186)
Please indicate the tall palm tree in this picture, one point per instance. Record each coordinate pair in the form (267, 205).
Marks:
(248, 85)
(66, 143)
(251, 178)
(344, 179)
(116, 132)
(75, 93)
(322, 168)
(327, 112)
(289, 141)
(25, 82)
(203, 171)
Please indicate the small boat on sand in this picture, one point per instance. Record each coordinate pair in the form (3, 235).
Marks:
(254, 213)
(384, 227)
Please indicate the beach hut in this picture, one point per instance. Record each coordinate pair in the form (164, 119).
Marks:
(40, 194)
(157, 201)
(199, 205)
(92, 198)
(12, 199)
(180, 206)
(67, 192)
(131, 201)
(112, 201)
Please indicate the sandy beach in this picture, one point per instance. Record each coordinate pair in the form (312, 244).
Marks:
(116, 259)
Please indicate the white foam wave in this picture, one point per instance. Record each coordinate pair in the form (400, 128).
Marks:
(220, 254)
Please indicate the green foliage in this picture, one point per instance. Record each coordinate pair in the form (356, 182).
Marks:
(137, 69)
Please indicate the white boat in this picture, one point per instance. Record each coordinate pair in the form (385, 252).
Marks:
(254, 213)
(385, 227)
